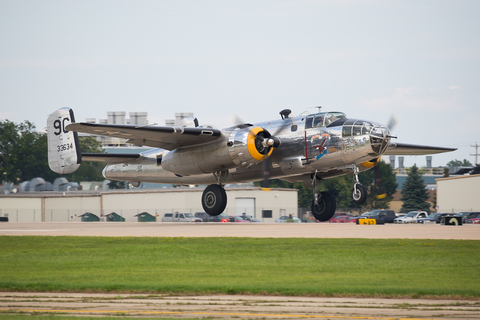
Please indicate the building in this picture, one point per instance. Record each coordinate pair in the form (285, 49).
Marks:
(457, 194)
(70, 206)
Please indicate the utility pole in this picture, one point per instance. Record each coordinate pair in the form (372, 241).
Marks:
(476, 154)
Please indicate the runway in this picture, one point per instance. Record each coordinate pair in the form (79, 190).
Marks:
(258, 230)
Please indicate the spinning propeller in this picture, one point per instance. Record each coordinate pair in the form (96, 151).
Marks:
(380, 192)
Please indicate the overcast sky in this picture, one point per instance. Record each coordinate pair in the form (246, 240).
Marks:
(419, 60)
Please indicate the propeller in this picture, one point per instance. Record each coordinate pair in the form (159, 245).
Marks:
(392, 123)
(380, 192)
(266, 142)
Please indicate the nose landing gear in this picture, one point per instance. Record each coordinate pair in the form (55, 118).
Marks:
(359, 192)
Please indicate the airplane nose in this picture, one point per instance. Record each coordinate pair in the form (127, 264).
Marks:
(379, 138)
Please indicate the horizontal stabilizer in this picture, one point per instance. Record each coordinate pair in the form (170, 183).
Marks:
(403, 149)
(110, 158)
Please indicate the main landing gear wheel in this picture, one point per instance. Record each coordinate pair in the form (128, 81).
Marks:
(359, 194)
(214, 199)
(324, 207)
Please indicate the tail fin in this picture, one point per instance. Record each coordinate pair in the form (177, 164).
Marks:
(64, 155)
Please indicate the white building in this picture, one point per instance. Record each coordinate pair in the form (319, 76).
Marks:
(457, 194)
(68, 206)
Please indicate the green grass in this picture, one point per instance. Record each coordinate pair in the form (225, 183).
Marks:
(319, 267)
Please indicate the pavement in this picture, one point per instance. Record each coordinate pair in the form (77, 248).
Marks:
(257, 230)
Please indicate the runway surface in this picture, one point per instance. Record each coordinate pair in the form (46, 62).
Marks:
(258, 230)
(235, 306)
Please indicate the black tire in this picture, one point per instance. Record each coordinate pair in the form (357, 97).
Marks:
(360, 196)
(214, 199)
(325, 208)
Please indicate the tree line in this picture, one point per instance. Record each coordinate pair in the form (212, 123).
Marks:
(24, 155)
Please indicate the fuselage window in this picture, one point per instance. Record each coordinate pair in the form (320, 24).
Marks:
(159, 160)
(309, 122)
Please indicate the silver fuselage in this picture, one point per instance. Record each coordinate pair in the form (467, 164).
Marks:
(307, 144)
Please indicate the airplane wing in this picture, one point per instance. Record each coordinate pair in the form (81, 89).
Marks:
(110, 158)
(403, 149)
(168, 138)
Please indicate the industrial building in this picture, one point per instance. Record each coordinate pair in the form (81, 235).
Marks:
(128, 204)
(457, 194)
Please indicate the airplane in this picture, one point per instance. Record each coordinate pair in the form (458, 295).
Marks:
(306, 148)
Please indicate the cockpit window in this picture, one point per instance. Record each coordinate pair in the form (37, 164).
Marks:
(318, 122)
(323, 119)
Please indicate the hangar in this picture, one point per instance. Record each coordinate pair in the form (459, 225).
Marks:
(70, 206)
(457, 194)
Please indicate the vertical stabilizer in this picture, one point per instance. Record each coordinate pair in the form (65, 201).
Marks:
(64, 155)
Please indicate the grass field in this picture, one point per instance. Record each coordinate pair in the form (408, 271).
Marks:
(292, 266)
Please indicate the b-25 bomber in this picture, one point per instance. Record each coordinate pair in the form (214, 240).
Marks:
(306, 148)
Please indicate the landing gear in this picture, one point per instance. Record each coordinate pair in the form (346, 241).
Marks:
(359, 192)
(323, 203)
(214, 199)
(323, 206)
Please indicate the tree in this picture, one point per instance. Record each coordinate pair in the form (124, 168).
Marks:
(414, 192)
(458, 163)
(367, 178)
(23, 152)
(24, 155)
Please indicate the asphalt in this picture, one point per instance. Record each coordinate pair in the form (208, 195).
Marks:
(259, 230)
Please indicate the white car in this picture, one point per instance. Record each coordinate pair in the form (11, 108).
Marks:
(283, 219)
(411, 217)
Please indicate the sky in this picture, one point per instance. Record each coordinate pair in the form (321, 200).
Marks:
(418, 60)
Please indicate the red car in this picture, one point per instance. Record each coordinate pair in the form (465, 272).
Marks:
(473, 220)
(341, 218)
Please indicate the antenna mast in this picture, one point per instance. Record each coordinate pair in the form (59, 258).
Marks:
(476, 153)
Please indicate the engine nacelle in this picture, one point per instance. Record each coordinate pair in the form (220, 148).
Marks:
(244, 147)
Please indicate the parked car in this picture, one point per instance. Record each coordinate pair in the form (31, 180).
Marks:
(180, 217)
(467, 215)
(222, 217)
(475, 220)
(411, 217)
(285, 219)
(340, 218)
(350, 219)
(388, 216)
(249, 218)
(208, 218)
(238, 219)
(434, 218)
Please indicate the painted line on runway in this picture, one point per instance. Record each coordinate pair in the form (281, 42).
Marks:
(234, 314)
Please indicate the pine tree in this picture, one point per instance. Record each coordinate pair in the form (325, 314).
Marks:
(414, 192)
